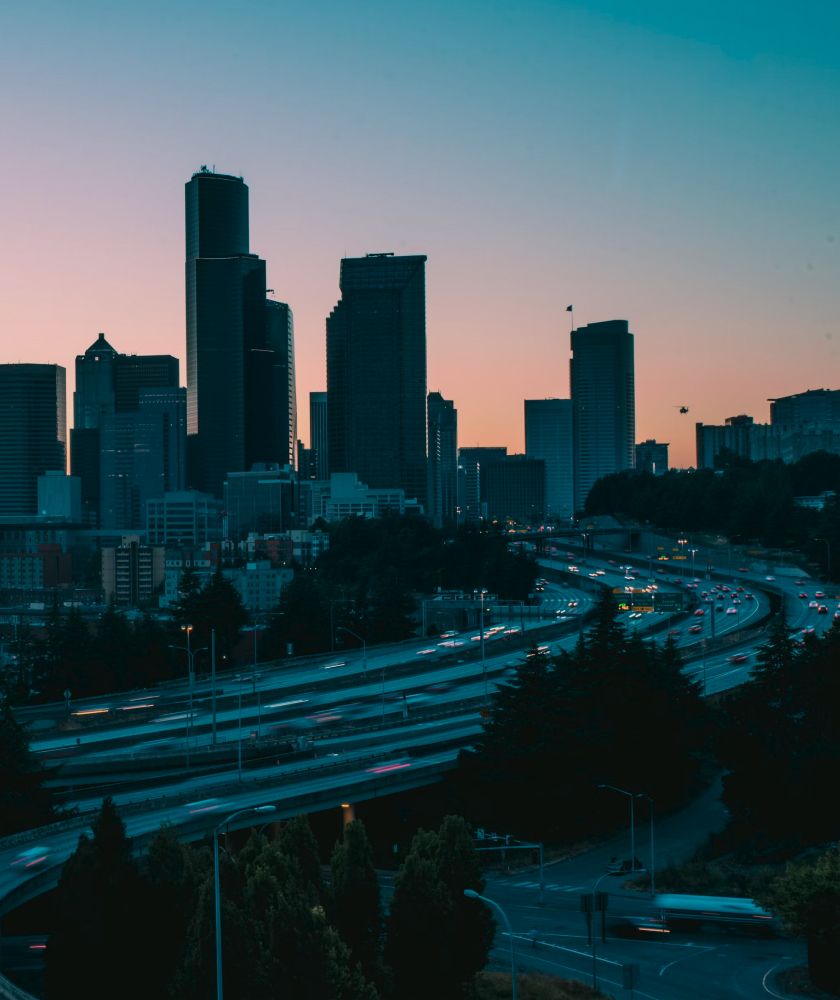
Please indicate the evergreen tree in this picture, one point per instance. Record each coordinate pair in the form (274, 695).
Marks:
(24, 801)
(356, 912)
(96, 921)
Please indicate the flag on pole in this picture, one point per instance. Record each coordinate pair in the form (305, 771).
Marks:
(569, 309)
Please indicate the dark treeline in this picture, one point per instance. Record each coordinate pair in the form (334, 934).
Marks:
(615, 711)
(146, 927)
(24, 801)
(746, 501)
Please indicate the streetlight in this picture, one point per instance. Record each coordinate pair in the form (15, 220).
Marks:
(349, 631)
(220, 989)
(481, 594)
(682, 542)
(190, 673)
(828, 555)
(693, 553)
(257, 695)
(632, 797)
(472, 894)
(644, 795)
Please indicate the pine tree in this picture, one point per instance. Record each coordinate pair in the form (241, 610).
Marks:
(355, 909)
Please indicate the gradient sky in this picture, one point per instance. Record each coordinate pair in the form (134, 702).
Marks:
(673, 164)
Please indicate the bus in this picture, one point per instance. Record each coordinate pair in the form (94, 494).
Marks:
(676, 908)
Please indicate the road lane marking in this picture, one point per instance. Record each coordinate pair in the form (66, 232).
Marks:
(685, 958)
(767, 974)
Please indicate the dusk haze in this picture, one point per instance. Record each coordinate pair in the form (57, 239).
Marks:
(673, 165)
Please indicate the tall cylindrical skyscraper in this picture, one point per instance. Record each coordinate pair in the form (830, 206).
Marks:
(603, 403)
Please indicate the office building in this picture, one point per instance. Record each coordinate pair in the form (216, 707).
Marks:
(442, 490)
(142, 456)
(184, 517)
(280, 340)
(548, 436)
(131, 572)
(652, 457)
(109, 387)
(60, 496)
(815, 406)
(472, 489)
(32, 433)
(603, 403)
(515, 489)
(376, 373)
(318, 435)
(261, 500)
(343, 495)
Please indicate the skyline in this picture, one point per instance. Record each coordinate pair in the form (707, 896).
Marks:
(683, 183)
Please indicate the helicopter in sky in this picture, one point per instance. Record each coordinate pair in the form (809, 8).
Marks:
(681, 407)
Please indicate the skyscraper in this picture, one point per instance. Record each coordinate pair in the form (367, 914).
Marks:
(376, 372)
(548, 435)
(280, 339)
(32, 432)
(318, 434)
(472, 483)
(240, 350)
(603, 403)
(442, 492)
(109, 387)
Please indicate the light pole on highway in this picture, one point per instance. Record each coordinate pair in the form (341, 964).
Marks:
(682, 542)
(472, 894)
(644, 795)
(827, 554)
(349, 631)
(693, 553)
(481, 594)
(190, 654)
(632, 797)
(257, 695)
(220, 989)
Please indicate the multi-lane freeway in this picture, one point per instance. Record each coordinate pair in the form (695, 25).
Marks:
(364, 724)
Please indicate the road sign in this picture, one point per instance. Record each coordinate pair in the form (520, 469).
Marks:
(668, 602)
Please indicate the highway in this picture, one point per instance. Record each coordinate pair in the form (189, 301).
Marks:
(388, 722)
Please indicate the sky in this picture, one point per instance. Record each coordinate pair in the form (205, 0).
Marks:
(672, 164)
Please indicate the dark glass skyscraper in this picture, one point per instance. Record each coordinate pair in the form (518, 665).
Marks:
(239, 364)
(603, 403)
(318, 430)
(442, 493)
(109, 388)
(376, 372)
(33, 422)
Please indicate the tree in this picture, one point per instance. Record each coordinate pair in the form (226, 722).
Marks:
(355, 908)
(95, 921)
(24, 801)
(438, 939)
(807, 898)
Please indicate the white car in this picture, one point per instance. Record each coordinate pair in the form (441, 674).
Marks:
(732, 611)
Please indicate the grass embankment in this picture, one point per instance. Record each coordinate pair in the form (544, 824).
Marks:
(532, 986)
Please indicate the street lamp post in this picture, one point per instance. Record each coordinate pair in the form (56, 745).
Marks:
(644, 795)
(472, 894)
(220, 989)
(256, 693)
(632, 797)
(349, 631)
(482, 592)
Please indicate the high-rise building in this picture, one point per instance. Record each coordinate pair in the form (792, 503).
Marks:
(318, 435)
(603, 403)
(142, 456)
(109, 387)
(240, 352)
(652, 457)
(472, 486)
(376, 373)
(442, 490)
(32, 432)
(280, 339)
(515, 489)
(548, 435)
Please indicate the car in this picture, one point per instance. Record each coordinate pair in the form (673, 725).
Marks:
(736, 600)
(771, 579)
(822, 610)
(732, 611)
(837, 616)
(740, 590)
(818, 594)
(813, 604)
(694, 629)
(803, 597)
(674, 631)
(699, 612)
(808, 630)
(738, 658)
(624, 866)
(32, 857)
(743, 569)
(748, 597)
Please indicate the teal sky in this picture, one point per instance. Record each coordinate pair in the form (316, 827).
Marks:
(674, 164)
